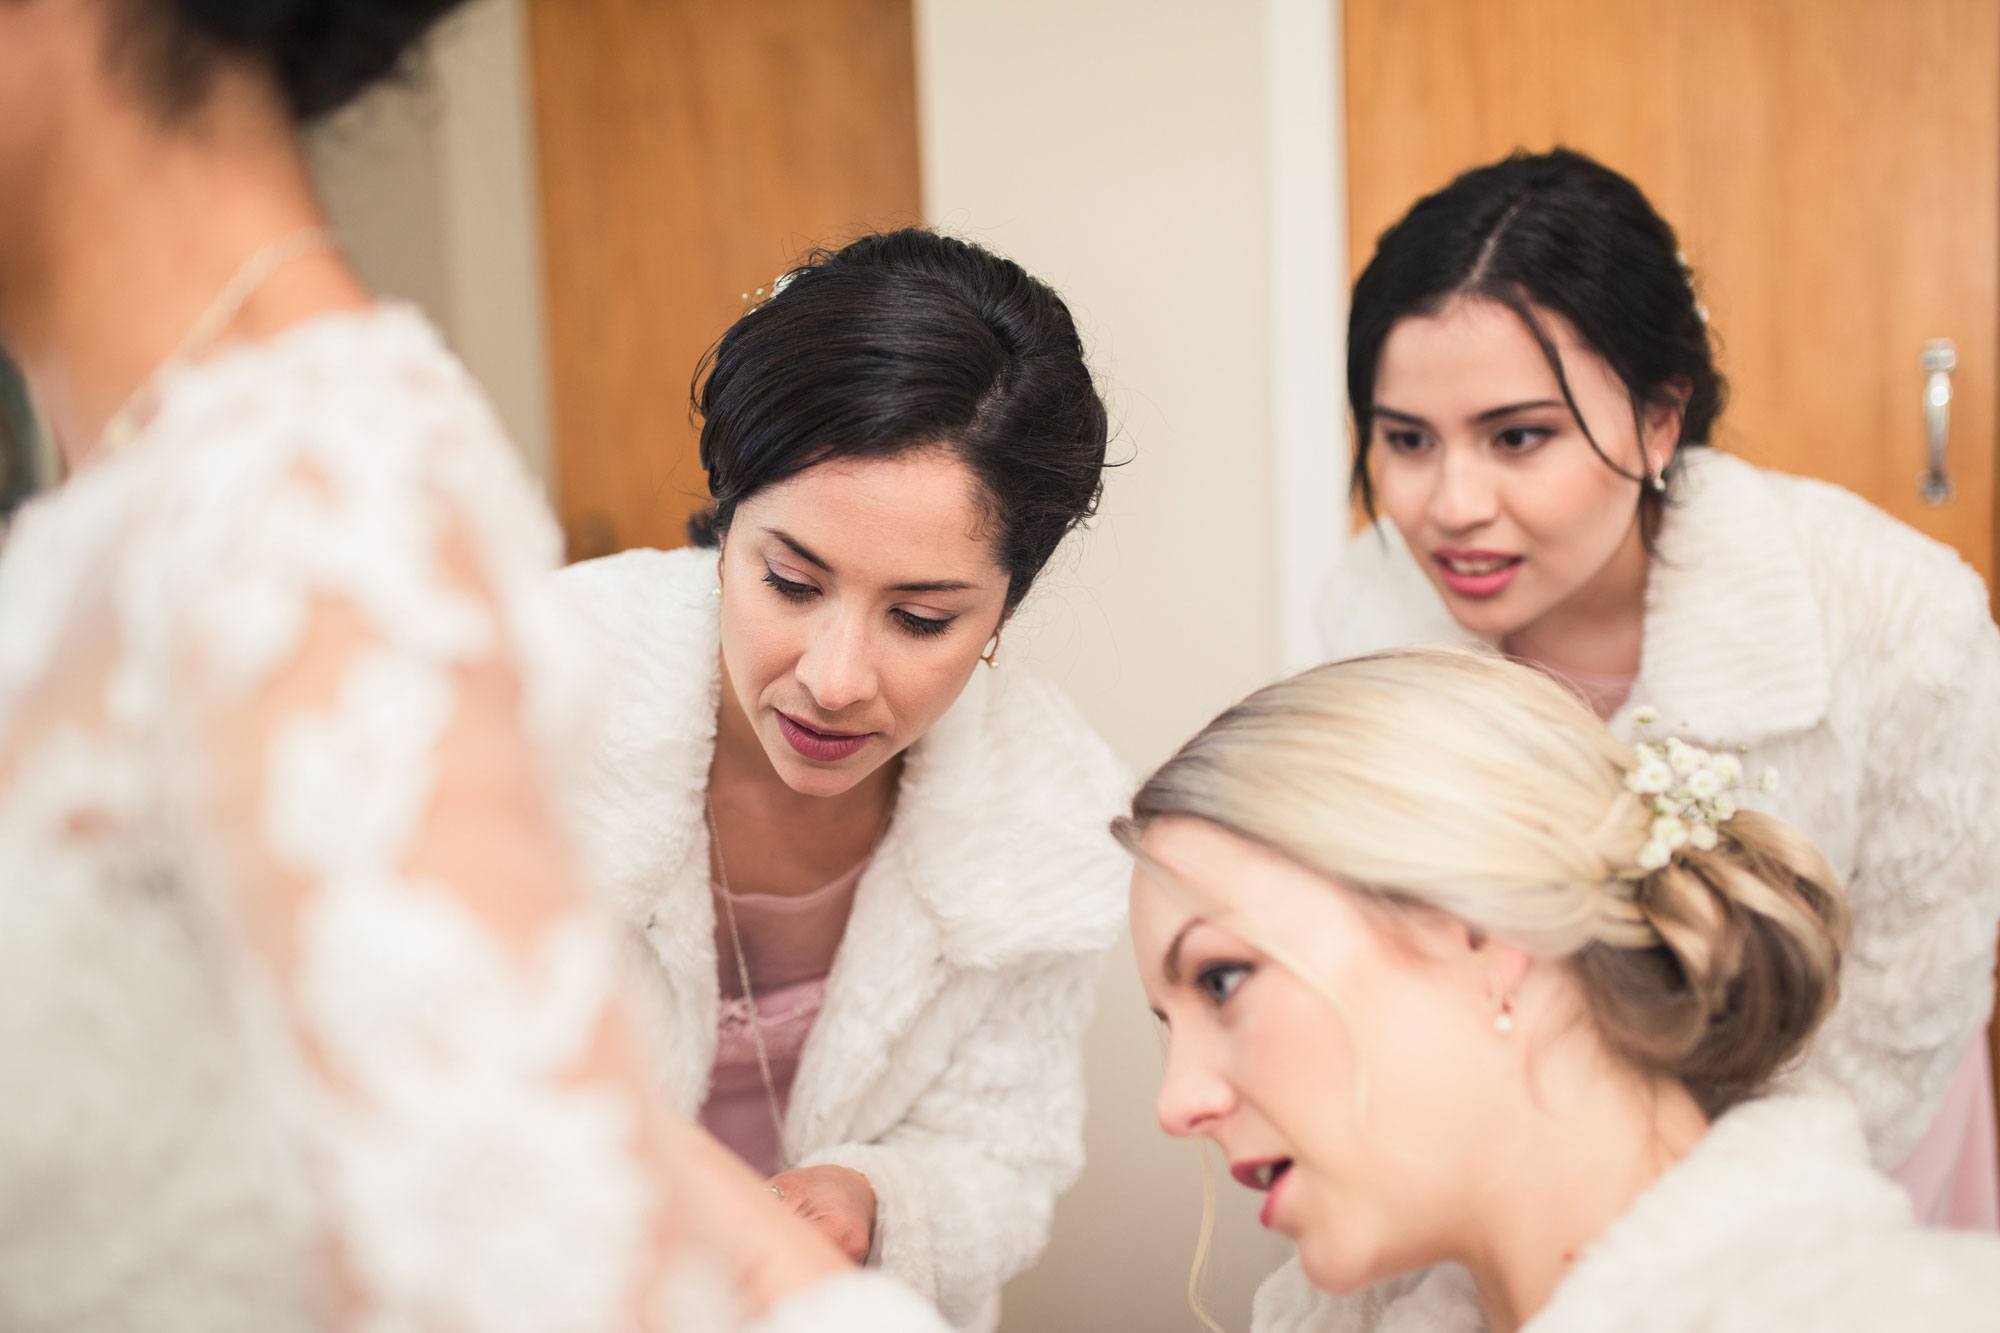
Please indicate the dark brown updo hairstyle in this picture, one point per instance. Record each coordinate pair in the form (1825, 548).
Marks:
(322, 53)
(1554, 232)
(904, 340)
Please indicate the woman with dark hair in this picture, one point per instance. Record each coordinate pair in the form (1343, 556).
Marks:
(863, 854)
(306, 1023)
(1533, 390)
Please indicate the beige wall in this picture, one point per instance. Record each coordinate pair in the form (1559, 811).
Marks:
(1117, 149)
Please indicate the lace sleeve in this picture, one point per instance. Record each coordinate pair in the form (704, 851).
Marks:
(476, 1131)
(477, 1138)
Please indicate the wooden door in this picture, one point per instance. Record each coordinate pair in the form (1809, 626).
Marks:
(1832, 168)
(689, 151)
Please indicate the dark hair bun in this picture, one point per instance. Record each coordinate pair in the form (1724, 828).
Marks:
(323, 52)
(903, 340)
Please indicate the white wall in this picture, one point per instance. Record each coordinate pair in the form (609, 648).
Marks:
(1122, 150)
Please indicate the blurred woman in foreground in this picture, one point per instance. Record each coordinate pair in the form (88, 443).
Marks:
(306, 1023)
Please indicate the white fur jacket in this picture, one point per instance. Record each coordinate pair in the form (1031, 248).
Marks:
(1774, 1221)
(1858, 658)
(946, 1063)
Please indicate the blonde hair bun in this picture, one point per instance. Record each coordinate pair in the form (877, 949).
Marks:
(1470, 784)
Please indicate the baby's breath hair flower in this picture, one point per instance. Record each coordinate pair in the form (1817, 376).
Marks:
(1651, 775)
(1691, 791)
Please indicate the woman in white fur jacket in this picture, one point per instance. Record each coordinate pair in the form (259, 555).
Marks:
(865, 862)
(1495, 1040)
(1532, 382)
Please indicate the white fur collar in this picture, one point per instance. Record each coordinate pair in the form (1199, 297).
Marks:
(1734, 647)
(998, 851)
(1766, 1172)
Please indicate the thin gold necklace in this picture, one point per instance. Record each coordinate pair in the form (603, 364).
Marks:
(743, 966)
(743, 979)
(228, 303)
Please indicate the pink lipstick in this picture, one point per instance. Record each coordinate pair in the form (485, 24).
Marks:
(1475, 573)
(1263, 1175)
(826, 747)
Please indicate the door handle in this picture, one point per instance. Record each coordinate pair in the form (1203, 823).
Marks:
(1940, 359)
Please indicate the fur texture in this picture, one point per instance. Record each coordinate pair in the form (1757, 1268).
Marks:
(1774, 1221)
(946, 1063)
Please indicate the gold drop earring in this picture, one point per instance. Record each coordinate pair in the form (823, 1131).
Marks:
(992, 654)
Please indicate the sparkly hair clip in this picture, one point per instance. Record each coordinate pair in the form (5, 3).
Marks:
(1687, 275)
(757, 298)
(1691, 791)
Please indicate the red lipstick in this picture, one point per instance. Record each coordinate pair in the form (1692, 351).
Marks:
(825, 747)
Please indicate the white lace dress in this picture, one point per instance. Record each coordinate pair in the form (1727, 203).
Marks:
(300, 1021)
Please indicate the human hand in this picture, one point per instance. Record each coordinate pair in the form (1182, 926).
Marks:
(837, 1200)
(718, 1205)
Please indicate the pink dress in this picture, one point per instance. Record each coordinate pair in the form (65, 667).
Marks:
(1954, 1175)
(789, 943)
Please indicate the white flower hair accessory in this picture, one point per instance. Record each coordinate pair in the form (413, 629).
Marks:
(1690, 791)
(1694, 288)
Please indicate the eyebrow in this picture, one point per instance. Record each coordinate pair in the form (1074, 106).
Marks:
(1490, 414)
(799, 549)
(1172, 966)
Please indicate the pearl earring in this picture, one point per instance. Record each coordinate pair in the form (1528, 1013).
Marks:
(1658, 471)
(1503, 1022)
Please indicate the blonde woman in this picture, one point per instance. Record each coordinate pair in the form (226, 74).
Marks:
(1496, 1010)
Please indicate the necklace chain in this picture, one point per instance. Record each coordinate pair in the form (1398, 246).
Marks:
(743, 968)
(228, 303)
(743, 979)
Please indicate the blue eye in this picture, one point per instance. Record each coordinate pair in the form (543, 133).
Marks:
(1219, 981)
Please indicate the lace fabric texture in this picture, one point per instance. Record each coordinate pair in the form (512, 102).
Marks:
(303, 1015)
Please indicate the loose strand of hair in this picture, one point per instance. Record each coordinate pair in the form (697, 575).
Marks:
(1522, 310)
